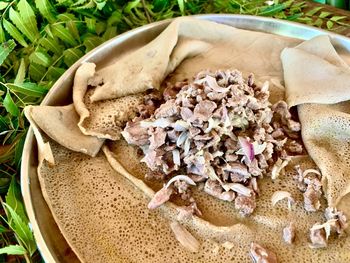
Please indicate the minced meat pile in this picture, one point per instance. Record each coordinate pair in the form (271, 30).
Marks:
(218, 132)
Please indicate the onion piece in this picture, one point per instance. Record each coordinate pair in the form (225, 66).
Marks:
(278, 167)
(176, 157)
(161, 122)
(183, 136)
(280, 195)
(307, 171)
(327, 226)
(186, 239)
(187, 146)
(180, 177)
(181, 125)
(259, 148)
(247, 148)
(238, 188)
(212, 124)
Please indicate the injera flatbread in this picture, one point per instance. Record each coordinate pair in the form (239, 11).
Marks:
(316, 78)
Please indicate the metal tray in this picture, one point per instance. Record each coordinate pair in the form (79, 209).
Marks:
(51, 243)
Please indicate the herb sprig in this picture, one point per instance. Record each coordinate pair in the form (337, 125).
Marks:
(40, 39)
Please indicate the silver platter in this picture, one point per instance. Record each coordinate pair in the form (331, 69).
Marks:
(51, 243)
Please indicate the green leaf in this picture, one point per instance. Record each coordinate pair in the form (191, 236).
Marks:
(28, 88)
(21, 25)
(63, 34)
(329, 24)
(21, 230)
(3, 5)
(21, 73)
(2, 34)
(65, 17)
(110, 33)
(92, 42)
(79, 2)
(72, 27)
(2, 229)
(318, 22)
(9, 105)
(338, 18)
(5, 49)
(71, 55)
(88, 5)
(14, 199)
(91, 24)
(313, 11)
(51, 45)
(13, 31)
(36, 71)
(27, 14)
(324, 14)
(40, 58)
(100, 27)
(272, 10)
(46, 10)
(55, 72)
(13, 250)
(181, 5)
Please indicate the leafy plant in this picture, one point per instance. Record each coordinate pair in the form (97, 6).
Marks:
(40, 39)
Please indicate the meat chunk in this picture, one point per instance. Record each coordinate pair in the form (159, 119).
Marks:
(162, 196)
(135, 134)
(204, 110)
(289, 233)
(318, 238)
(245, 204)
(260, 254)
(157, 138)
(168, 109)
(311, 199)
(213, 188)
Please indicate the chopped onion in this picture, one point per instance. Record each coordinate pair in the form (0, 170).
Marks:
(176, 157)
(280, 195)
(161, 122)
(212, 175)
(327, 226)
(183, 136)
(238, 188)
(181, 125)
(306, 172)
(180, 177)
(247, 148)
(187, 146)
(259, 148)
(212, 124)
(278, 167)
(186, 239)
(217, 154)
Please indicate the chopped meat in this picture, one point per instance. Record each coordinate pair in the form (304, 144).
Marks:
(311, 199)
(289, 233)
(294, 147)
(204, 110)
(245, 204)
(168, 109)
(160, 197)
(260, 254)
(341, 223)
(197, 128)
(135, 134)
(186, 212)
(213, 188)
(157, 138)
(318, 238)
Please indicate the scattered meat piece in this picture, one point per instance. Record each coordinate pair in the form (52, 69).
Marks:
(318, 238)
(186, 113)
(245, 205)
(289, 233)
(186, 239)
(213, 188)
(260, 254)
(341, 223)
(311, 199)
(160, 197)
(186, 212)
